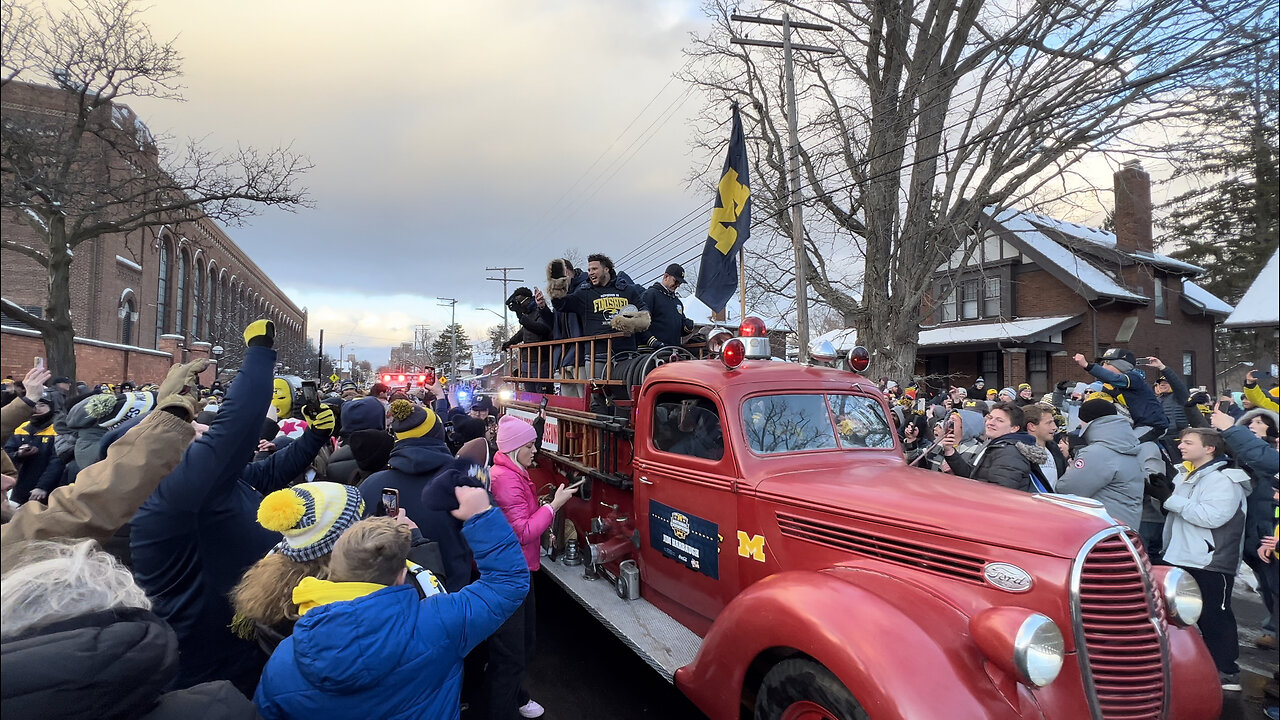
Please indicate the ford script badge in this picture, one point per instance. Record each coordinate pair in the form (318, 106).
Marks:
(1007, 577)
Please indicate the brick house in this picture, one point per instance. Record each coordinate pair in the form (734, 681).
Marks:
(174, 291)
(1038, 290)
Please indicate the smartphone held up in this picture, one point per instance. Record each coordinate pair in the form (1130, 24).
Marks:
(390, 502)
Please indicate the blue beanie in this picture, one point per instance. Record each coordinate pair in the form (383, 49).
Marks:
(363, 414)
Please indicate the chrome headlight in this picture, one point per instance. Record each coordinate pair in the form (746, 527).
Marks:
(1181, 596)
(1021, 642)
(1038, 650)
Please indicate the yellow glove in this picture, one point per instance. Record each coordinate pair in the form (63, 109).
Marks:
(322, 422)
(260, 333)
(180, 391)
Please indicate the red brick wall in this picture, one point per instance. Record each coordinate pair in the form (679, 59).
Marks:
(94, 362)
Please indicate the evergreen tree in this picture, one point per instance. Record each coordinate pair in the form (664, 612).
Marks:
(443, 349)
(1227, 223)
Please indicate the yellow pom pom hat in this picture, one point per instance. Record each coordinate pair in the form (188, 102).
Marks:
(411, 421)
(311, 516)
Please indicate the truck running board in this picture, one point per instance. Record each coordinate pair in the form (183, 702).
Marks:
(655, 636)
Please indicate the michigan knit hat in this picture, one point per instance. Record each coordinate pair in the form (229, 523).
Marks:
(110, 410)
(1008, 391)
(363, 414)
(311, 516)
(1024, 386)
(1091, 410)
(513, 433)
(411, 421)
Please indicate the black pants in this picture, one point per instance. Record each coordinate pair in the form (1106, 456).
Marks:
(510, 650)
(1217, 621)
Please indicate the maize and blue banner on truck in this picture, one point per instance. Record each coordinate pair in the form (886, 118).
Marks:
(688, 539)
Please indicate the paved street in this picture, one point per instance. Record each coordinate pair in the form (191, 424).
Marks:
(583, 672)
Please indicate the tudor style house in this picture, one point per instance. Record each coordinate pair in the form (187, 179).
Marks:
(1038, 290)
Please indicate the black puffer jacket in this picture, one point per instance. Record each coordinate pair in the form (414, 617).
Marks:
(107, 666)
(1008, 460)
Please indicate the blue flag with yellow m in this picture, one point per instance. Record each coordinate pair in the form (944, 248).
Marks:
(730, 225)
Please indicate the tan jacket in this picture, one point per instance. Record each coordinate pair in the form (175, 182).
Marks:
(11, 416)
(106, 494)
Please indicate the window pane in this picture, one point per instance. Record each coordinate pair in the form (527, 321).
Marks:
(991, 298)
(949, 307)
(787, 423)
(1161, 311)
(860, 422)
(688, 425)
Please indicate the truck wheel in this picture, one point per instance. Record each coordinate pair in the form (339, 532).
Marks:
(800, 689)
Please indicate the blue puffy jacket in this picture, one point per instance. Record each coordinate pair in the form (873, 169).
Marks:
(195, 536)
(391, 654)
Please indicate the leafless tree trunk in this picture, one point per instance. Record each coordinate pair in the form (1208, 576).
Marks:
(929, 114)
(95, 169)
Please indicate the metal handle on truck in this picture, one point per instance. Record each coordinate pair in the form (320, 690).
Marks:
(645, 480)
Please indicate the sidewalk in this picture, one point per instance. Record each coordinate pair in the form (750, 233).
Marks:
(1257, 666)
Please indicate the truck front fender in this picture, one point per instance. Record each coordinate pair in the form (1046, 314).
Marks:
(901, 650)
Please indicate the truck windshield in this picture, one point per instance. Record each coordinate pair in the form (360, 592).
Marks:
(792, 423)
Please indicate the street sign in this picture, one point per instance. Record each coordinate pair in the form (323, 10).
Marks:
(334, 378)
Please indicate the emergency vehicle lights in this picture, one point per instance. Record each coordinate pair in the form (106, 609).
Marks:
(422, 379)
(1021, 642)
(859, 359)
(752, 327)
(733, 354)
(386, 379)
(401, 378)
(716, 338)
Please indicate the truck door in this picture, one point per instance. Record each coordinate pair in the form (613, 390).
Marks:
(685, 478)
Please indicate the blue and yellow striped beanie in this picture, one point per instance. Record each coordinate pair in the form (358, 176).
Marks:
(311, 516)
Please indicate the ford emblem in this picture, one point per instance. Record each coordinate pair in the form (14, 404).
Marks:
(1007, 577)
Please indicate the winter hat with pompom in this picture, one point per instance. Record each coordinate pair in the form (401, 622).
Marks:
(411, 421)
(311, 516)
(514, 433)
(108, 411)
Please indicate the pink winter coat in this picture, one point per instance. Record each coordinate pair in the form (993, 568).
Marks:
(514, 493)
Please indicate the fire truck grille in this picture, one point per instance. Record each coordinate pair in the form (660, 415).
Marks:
(1123, 649)
(873, 545)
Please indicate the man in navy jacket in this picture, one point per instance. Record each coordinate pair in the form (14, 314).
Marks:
(198, 532)
(1117, 368)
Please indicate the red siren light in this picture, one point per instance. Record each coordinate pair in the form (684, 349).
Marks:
(733, 353)
(752, 327)
(401, 378)
(386, 379)
(422, 379)
(859, 359)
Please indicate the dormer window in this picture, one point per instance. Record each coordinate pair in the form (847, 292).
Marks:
(1161, 307)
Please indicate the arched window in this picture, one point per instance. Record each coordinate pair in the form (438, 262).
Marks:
(179, 302)
(197, 308)
(162, 293)
(126, 322)
(210, 289)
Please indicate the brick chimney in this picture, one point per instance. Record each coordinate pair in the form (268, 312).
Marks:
(1133, 208)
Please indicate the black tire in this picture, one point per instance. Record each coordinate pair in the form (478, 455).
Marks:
(791, 683)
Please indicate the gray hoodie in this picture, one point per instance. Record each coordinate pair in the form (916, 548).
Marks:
(1108, 470)
(1205, 526)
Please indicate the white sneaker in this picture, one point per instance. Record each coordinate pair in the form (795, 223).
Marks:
(532, 709)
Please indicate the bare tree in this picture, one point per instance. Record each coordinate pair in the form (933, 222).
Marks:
(94, 169)
(928, 115)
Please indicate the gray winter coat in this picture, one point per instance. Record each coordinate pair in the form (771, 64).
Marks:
(1107, 469)
(1205, 526)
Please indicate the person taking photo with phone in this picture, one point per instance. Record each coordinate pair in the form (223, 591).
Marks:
(511, 647)
(1010, 456)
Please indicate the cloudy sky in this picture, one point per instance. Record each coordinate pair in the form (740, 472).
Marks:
(447, 137)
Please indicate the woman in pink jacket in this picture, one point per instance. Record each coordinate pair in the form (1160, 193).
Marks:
(511, 647)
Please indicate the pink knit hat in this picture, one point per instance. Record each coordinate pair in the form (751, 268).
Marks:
(514, 432)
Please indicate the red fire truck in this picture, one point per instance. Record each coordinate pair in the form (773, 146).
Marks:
(754, 533)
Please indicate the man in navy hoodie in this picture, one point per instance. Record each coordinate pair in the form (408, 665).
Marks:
(1117, 368)
(194, 537)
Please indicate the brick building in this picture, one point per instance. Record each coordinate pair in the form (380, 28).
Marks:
(177, 290)
(1038, 290)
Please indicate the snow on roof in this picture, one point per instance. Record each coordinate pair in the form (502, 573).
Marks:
(1089, 277)
(1167, 262)
(842, 339)
(1018, 329)
(1258, 307)
(1202, 298)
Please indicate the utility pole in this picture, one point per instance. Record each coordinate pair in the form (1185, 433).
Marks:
(453, 336)
(797, 219)
(506, 327)
(320, 355)
(342, 358)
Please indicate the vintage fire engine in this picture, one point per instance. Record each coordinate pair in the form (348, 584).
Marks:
(753, 532)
